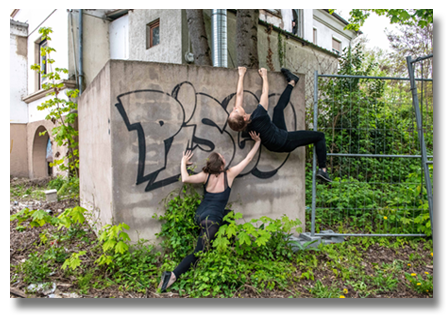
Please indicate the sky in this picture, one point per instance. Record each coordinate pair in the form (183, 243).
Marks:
(373, 29)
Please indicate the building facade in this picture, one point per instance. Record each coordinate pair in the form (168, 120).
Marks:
(303, 40)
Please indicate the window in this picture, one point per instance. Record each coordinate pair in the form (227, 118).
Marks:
(314, 35)
(152, 34)
(336, 46)
(297, 28)
(42, 61)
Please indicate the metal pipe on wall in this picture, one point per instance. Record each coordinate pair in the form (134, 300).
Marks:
(80, 51)
(219, 37)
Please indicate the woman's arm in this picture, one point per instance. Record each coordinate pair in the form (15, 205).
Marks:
(198, 178)
(264, 99)
(239, 87)
(234, 171)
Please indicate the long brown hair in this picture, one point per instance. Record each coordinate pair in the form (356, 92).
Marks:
(237, 123)
(214, 164)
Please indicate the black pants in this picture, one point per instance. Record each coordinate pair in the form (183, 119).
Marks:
(208, 232)
(298, 138)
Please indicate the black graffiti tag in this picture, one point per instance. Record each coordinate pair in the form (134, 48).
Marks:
(158, 117)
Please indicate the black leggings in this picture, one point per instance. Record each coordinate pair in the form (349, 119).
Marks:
(208, 232)
(298, 138)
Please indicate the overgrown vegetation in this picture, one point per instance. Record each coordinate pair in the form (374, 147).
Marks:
(253, 259)
(62, 112)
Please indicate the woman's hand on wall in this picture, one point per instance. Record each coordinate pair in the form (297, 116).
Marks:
(186, 157)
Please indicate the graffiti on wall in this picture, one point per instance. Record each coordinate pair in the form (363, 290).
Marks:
(183, 118)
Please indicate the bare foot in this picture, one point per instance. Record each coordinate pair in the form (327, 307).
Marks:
(170, 282)
(172, 279)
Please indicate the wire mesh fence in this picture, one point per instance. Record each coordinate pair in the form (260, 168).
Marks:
(374, 156)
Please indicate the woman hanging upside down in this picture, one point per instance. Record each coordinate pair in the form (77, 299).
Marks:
(217, 184)
(275, 137)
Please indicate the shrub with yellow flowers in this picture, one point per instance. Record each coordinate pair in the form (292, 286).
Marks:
(421, 284)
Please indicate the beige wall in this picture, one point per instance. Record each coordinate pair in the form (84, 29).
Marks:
(95, 158)
(96, 50)
(18, 157)
(161, 108)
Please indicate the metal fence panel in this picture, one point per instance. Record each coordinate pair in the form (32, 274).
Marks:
(374, 145)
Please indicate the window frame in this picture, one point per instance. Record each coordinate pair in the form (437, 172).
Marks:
(43, 43)
(38, 60)
(336, 51)
(149, 29)
(315, 35)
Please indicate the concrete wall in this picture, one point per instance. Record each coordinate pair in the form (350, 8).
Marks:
(18, 157)
(170, 48)
(162, 109)
(95, 151)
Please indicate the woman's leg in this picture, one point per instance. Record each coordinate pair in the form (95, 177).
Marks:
(278, 118)
(208, 232)
(303, 138)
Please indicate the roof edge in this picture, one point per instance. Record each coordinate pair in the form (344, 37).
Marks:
(344, 21)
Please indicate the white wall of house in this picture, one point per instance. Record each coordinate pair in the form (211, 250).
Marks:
(18, 72)
(308, 24)
(35, 114)
(329, 27)
(57, 20)
(119, 38)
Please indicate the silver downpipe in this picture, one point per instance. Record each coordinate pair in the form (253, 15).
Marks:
(219, 37)
(80, 46)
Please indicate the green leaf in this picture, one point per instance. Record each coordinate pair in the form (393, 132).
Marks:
(231, 230)
(121, 247)
(124, 236)
(243, 238)
(125, 226)
(77, 214)
(263, 239)
(109, 245)
(39, 214)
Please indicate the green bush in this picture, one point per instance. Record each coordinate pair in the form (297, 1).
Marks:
(253, 254)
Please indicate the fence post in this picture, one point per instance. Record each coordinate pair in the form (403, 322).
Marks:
(420, 135)
(313, 210)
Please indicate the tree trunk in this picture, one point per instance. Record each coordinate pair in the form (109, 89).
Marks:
(247, 37)
(199, 41)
